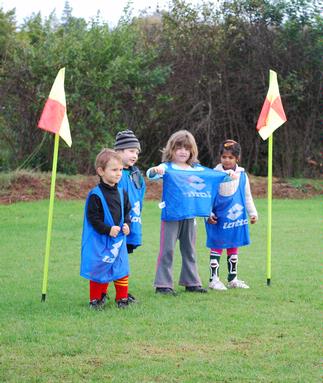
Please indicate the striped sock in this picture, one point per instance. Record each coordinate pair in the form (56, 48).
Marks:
(232, 266)
(121, 286)
(214, 264)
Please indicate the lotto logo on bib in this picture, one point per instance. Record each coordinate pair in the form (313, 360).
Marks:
(234, 213)
(197, 184)
(115, 252)
(136, 210)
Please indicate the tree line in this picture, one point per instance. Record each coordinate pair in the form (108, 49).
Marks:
(204, 68)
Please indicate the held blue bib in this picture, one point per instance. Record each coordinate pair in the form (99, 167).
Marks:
(103, 258)
(189, 193)
(136, 197)
(232, 229)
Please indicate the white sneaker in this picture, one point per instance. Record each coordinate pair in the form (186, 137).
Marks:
(237, 284)
(216, 284)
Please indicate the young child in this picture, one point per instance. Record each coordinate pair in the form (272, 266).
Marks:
(128, 146)
(227, 227)
(104, 256)
(181, 154)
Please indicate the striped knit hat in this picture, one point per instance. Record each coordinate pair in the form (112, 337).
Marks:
(126, 140)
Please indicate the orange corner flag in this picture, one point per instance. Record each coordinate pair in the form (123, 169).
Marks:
(54, 117)
(272, 114)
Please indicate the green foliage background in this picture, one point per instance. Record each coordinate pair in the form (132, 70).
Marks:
(203, 68)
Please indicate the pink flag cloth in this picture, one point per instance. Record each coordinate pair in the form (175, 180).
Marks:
(272, 114)
(54, 117)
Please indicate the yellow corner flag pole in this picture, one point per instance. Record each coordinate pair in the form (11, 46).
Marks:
(50, 217)
(270, 182)
(54, 119)
(271, 117)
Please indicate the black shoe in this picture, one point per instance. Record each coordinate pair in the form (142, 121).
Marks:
(122, 303)
(195, 289)
(96, 304)
(165, 291)
(132, 299)
(104, 299)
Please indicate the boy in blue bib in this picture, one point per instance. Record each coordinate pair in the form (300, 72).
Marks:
(227, 227)
(104, 256)
(128, 146)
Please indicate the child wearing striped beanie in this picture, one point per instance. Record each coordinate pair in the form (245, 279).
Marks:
(127, 140)
(128, 146)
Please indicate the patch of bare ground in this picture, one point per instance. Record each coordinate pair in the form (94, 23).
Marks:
(29, 186)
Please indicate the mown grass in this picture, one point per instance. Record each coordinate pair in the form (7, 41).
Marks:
(264, 334)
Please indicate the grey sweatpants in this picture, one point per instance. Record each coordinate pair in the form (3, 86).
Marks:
(185, 232)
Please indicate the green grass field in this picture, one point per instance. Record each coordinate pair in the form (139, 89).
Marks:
(264, 334)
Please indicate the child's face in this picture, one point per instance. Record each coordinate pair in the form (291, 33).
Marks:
(129, 156)
(181, 155)
(228, 160)
(112, 173)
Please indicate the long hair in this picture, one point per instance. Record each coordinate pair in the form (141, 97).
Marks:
(178, 140)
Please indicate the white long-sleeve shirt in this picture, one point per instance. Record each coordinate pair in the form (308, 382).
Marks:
(230, 186)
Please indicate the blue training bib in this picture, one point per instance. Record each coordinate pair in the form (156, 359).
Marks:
(136, 196)
(189, 193)
(232, 228)
(103, 258)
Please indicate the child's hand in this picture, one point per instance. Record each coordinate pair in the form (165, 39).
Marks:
(212, 219)
(125, 229)
(253, 219)
(231, 173)
(159, 170)
(114, 231)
